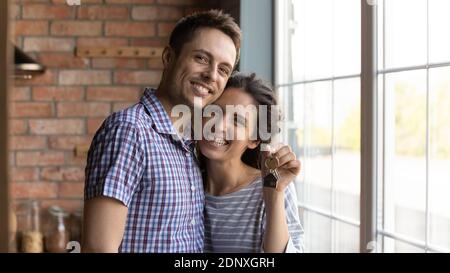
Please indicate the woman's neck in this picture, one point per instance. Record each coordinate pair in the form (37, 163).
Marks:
(227, 176)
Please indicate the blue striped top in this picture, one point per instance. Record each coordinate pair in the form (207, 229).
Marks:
(235, 222)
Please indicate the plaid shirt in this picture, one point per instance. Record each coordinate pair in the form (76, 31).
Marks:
(137, 158)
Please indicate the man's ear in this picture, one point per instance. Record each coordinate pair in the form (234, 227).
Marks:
(253, 144)
(167, 56)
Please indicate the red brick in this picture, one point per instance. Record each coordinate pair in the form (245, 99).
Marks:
(62, 174)
(51, 174)
(24, 174)
(130, 1)
(164, 29)
(128, 29)
(102, 12)
(93, 124)
(118, 63)
(96, 42)
(31, 109)
(79, 77)
(62, 60)
(138, 77)
(68, 142)
(71, 190)
(121, 105)
(34, 190)
(57, 126)
(43, 44)
(155, 63)
(17, 126)
(83, 109)
(42, 11)
(72, 160)
(113, 93)
(20, 93)
(39, 158)
(51, 93)
(74, 28)
(48, 78)
(156, 13)
(28, 142)
(30, 27)
(73, 173)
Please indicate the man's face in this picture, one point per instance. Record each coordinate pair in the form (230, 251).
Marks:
(202, 68)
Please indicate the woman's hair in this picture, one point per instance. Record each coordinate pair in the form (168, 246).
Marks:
(264, 95)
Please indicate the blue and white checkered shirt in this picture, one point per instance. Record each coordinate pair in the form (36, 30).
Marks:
(136, 158)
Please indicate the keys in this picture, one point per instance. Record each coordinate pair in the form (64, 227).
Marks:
(272, 163)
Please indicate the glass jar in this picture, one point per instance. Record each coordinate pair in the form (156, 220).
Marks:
(57, 234)
(29, 235)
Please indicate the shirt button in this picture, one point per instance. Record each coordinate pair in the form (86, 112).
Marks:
(193, 222)
(187, 154)
(192, 188)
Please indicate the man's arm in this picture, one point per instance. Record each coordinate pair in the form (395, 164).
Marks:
(103, 225)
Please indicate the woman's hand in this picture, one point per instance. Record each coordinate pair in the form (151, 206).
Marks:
(288, 166)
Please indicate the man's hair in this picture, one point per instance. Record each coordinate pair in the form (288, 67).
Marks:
(185, 29)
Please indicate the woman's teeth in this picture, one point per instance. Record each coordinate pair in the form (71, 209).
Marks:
(220, 142)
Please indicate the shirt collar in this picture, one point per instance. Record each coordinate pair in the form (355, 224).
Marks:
(158, 114)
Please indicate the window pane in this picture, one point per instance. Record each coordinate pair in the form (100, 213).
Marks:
(405, 160)
(406, 33)
(347, 37)
(317, 232)
(439, 26)
(316, 139)
(346, 160)
(345, 237)
(439, 184)
(312, 39)
(392, 246)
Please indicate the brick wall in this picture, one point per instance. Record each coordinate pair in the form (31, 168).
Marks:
(53, 113)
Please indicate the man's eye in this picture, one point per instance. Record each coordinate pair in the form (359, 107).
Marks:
(224, 71)
(201, 59)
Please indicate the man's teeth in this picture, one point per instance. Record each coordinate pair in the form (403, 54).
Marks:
(201, 88)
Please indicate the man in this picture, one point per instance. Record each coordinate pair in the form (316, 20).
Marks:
(143, 190)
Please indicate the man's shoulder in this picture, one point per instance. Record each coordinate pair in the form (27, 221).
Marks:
(134, 116)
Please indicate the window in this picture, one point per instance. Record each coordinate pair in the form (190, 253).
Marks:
(318, 77)
(414, 75)
(319, 88)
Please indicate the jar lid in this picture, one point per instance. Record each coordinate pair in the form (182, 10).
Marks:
(57, 211)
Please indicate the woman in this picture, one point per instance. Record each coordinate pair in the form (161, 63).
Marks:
(242, 215)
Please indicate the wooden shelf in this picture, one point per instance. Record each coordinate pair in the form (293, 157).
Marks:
(119, 52)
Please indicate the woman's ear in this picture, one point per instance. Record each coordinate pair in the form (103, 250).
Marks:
(253, 144)
(167, 56)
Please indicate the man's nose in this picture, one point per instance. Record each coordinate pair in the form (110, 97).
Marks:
(210, 73)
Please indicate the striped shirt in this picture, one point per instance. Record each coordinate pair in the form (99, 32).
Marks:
(235, 222)
(137, 158)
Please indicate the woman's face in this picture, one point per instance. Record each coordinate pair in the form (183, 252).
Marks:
(227, 137)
